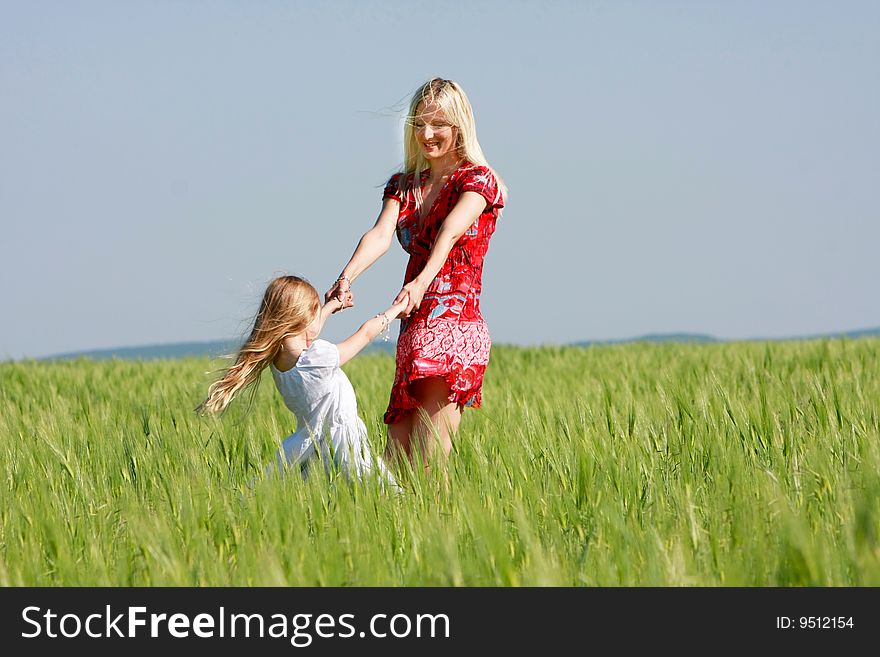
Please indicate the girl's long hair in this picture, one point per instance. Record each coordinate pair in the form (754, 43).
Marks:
(289, 305)
(454, 103)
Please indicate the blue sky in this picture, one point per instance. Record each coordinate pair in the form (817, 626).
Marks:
(673, 166)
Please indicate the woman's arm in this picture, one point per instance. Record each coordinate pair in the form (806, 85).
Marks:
(462, 216)
(372, 246)
(351, 346)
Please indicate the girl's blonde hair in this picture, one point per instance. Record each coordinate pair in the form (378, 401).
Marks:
(454, 104)
(289, 305)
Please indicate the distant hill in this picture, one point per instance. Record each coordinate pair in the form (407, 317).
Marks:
(700, 337)
(654, 337)
(864, 333)
(218, 348)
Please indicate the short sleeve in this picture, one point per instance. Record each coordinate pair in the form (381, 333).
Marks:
(481, 180)
(321, 354)
(392, 188)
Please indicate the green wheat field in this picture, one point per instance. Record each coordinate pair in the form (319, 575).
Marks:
(733, 464)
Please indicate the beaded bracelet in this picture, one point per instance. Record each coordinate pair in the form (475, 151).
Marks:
(384, 333)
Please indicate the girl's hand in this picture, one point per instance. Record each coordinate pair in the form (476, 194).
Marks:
(338, 305)
(341, 290)
(396, 310)
(412, 293)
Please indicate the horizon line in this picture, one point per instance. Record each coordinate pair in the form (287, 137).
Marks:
(671, 336)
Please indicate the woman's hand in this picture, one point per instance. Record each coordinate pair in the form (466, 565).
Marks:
(412, 293)
(341, 290)
(337, 304)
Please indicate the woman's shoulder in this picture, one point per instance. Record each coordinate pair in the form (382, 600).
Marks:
(471, 168)
(483, 180)
(477, 172)
(401, 179)
(396, 185)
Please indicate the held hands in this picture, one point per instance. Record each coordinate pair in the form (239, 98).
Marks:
(411, 293)
(346, 302)
(341, 290)
(396, 310)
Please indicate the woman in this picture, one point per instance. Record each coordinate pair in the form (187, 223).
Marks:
(443, 207)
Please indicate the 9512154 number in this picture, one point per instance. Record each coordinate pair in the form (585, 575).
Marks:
(814, 622)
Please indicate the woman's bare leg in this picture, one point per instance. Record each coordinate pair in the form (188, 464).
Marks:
(398, 445)
(436, 421)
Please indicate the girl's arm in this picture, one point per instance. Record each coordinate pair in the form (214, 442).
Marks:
(463, 215)
(372, 246)
(332, 306)
(350, 347)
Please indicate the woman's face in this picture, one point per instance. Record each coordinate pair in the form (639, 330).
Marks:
(436, 135)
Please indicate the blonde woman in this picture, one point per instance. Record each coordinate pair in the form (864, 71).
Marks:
(443, 207)
(308, 376)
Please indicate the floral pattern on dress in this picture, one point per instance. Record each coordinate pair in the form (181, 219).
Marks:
(446, 337)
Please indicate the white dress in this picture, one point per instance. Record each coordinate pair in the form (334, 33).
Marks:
(328, 426)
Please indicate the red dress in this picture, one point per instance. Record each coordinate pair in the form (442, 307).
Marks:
(446, 337)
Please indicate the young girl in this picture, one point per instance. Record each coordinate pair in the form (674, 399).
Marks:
(307, 374)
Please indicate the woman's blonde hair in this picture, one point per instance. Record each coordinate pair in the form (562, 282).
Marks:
(454, 103)
(289, 305)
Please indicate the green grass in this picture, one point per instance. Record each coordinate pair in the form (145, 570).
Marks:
(754, 464)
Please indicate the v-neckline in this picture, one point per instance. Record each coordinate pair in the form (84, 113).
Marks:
(423, 216)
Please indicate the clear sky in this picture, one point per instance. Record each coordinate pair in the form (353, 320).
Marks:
(705, 167)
